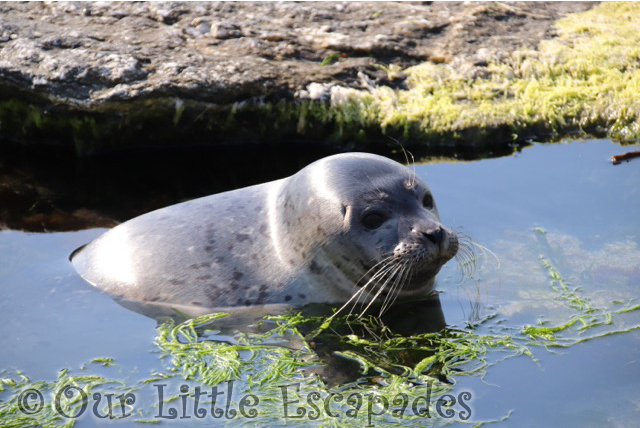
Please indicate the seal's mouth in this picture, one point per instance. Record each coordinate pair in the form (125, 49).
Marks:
(431, 265)
(419, 275)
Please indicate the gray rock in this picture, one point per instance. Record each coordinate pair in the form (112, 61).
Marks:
(98, 75)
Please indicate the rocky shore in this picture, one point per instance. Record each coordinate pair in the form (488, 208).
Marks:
(96, 77)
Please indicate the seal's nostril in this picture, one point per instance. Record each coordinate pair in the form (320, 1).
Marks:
(434, 235)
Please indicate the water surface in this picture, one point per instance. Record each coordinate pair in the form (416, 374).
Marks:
(586, 213)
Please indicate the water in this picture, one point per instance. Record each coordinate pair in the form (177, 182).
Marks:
(590, 213)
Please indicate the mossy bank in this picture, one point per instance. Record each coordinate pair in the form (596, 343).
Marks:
(95, 77)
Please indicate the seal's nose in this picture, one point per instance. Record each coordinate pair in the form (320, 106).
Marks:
(435, 235)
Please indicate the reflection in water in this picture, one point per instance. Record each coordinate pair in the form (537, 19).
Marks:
(342, 358)
(408, 319)
(593, 270)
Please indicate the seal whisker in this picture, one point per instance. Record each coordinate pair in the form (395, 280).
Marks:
(412, 163)
(389, 274)
(396, 282)
(486, 250)
(397, 267)
(387, 262)
(465, 257)
(379, 276)
(466, 260)
(393, 293)
(383, 271)
(392, 288)
(464, 238)
(405, 278)
(413, 166)
(375, 266)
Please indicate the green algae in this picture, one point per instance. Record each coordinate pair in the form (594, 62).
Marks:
(68, 393)
(584, 81)
(104, 361)
(385, 386)
(585, 319)
(212, 362)
(392, 369)
(392, 366)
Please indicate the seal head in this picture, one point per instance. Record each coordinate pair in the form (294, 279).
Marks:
(387, 236)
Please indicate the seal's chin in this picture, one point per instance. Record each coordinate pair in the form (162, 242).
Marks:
(424, 274)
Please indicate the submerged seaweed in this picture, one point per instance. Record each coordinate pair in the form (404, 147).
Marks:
(355, 367)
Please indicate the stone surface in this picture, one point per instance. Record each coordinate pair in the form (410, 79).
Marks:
(96, 76)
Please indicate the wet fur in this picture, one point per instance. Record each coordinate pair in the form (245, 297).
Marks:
(292, 241)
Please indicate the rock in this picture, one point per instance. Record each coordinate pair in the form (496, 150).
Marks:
(225, 30)
(96, 76)
(315, 91)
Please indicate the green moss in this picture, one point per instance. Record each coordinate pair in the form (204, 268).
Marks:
(330, 59)
(586, 80)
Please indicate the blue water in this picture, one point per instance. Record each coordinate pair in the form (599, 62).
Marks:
(50, 318)
(589, 209)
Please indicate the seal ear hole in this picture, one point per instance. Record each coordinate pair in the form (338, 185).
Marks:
(427, 201)
(373, 220)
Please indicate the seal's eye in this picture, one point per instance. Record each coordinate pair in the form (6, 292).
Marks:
(373, 220)
(427, 202)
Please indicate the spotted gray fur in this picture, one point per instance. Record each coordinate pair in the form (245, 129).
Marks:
(296, 240)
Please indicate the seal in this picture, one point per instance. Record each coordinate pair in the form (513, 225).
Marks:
(349, 228)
